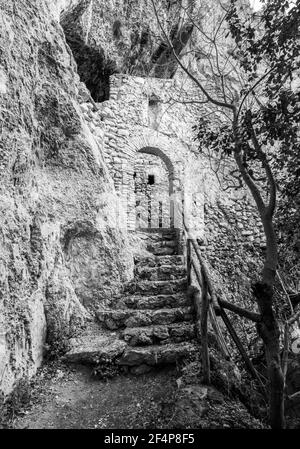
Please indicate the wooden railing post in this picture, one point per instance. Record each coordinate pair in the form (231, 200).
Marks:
(188, 261)
(202, 306)
(240, 348)
(206, 276)
(218, 333)
(209, 305)
(204, 336)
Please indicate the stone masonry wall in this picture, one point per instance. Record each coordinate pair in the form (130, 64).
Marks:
(141, 114)
(128, 119)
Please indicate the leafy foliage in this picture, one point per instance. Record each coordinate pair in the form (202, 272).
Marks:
(266, 123)
(15, 403)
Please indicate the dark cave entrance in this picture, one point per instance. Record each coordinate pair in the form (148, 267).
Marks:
(93, 68)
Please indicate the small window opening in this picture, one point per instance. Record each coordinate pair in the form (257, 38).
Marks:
(145, 38)
(153, 101)
(151, 180)
(117, 29)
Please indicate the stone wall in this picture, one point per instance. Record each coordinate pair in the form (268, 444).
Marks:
(139, 115)
(128, 121)
(132, 122)
(234, 244)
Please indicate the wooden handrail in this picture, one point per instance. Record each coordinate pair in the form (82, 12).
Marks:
(218, 333)
(201, 314)
(205, 308)
(203, 284)
(241, 349)
(204, 269)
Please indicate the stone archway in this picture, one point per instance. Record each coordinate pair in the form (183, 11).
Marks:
(172, 152)
(158, 153)
(174, 192)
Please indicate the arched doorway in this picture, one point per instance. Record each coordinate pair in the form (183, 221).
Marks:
(154, 189)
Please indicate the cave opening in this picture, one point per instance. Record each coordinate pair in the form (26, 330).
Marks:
(93, 68)
(144, 55)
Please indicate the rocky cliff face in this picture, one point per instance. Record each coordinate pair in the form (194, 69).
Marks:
(62, 247)
(123, 36)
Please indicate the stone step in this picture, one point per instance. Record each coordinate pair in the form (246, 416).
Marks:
(162, 334)
(118, 319)
(161, 243)
(154, 242)
(158, 233)
(154, 302)
(170, 260)
(169, 236)
(157, 261)
(151, 288)
(162, 247)
(156, 355)
(89, 348)
(92, 350)
(162, 251)
(160, 273)
(162, 239)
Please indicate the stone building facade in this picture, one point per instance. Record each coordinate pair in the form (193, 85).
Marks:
(143, 125)
(141, 118)
(148, 134)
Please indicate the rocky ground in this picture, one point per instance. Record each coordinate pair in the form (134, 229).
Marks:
(61, 397)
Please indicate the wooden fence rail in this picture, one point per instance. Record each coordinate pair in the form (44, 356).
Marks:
(208, 305)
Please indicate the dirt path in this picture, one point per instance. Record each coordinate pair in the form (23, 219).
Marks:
(61, 397)
(73, 399)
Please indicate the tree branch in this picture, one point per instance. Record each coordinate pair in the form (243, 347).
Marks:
(294, 318)
(252, 89)
(193, 78)
(250, 183)
(272, 202)
(255, 317)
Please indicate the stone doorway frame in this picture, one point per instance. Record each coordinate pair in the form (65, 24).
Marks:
(174, 188)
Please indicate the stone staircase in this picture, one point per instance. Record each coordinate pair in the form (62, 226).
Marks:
(152, 324)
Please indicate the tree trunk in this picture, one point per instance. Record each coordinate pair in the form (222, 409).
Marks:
(271, 262)
(268, 330)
